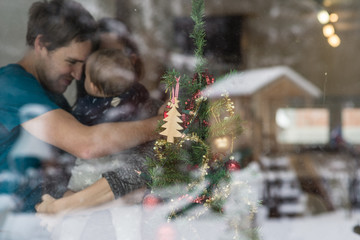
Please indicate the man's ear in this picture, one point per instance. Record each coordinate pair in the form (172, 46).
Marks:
(39, 45)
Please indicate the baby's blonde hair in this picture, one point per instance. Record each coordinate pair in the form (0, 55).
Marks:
(111, 71)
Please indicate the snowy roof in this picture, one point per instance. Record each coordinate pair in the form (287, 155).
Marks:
(250, 81)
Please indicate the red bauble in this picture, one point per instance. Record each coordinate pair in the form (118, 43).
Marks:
(166, 111)
(200, 199)
(150, 201)
(232, 165)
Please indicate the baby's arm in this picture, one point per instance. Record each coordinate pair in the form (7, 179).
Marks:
(68, 193)
(94, 195)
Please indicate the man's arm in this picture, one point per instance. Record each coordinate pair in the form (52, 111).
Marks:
(61, 129)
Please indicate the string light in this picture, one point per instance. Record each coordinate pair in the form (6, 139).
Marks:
(327, 3)
(222, 143)
(333, 17)
(328, 30)
(334, 40)
(323, 17)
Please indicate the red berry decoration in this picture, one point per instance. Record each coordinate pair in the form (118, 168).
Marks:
(232, 165)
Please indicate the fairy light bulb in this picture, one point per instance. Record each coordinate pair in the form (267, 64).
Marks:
(334, 40)
(327, 3)
(328, 30)
(222, 143)
(333, 17)
(323, 17)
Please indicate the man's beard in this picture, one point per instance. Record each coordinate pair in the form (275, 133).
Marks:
(45, 81)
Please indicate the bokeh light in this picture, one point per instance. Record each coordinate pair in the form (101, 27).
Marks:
(323, 17)
(334, 40)
(328, 30)
(333, 17)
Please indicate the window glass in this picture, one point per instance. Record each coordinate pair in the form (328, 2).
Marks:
(351, 125)
(302, 126)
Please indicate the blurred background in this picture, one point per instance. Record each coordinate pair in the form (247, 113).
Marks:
(295, 84)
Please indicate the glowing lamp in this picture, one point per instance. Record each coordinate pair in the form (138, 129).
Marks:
(222, 143)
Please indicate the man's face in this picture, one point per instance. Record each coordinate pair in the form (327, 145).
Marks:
(56, 69)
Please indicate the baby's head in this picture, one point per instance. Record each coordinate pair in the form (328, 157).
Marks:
(108, 73)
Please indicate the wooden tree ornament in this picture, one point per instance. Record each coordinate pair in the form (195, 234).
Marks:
(173, 121)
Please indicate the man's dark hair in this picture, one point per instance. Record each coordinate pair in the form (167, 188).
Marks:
(59, 22)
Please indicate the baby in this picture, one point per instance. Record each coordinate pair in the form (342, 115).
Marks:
(114, 94)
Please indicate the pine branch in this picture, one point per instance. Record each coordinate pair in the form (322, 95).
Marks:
(228, 126)
(198, 34)
(169, 79)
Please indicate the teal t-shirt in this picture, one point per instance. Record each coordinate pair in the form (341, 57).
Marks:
(21, 98)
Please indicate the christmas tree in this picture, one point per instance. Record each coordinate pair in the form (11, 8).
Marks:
(193, 163)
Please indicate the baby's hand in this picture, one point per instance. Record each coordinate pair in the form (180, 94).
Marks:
(162, 109)
(47, 205)
(45, 208)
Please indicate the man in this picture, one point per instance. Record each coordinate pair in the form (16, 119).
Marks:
(60, 36)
